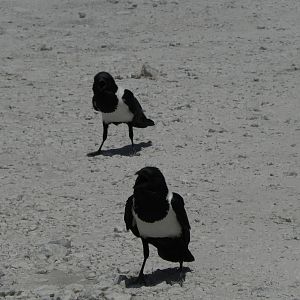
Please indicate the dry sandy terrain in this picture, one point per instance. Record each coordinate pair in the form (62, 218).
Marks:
(226, 105)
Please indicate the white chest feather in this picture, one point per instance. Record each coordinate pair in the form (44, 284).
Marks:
(167, 227)
(122, 112)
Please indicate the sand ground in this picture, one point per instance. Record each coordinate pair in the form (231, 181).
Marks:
(225, 100)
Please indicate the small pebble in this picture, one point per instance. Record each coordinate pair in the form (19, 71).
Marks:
(122, 270)
(292, 173)
(82, 15)
(148, 71)
(90, 276)
(118, 229)
(44, 47)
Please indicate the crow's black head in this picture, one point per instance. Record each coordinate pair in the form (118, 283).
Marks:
(104, 82)
(150, 195)
(151, 179)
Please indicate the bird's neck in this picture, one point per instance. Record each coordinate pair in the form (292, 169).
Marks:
(106, 101)
(150, 206)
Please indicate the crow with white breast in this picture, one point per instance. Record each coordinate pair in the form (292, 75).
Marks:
(117, 106)
(159, 218)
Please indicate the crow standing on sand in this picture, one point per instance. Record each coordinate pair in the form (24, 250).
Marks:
(117, 105)
(158, 217)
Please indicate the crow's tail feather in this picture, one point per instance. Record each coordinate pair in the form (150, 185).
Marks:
(172, 249)
(140, 121)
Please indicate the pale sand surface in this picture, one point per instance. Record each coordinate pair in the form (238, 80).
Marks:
(226, 102)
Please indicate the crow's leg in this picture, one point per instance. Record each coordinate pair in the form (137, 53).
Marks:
(181, 274)
(131, 135)
(98, 152)
(180, 267)
(141, 278)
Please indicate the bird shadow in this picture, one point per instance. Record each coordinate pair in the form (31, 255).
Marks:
(127, 150)
(170, 276)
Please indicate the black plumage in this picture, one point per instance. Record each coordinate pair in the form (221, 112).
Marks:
(159, 218)
(117, 106)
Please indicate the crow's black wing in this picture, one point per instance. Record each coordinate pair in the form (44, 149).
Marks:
(139, 119)
(95, 104)
(129, 219)
(178, 207)
(133, 104)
